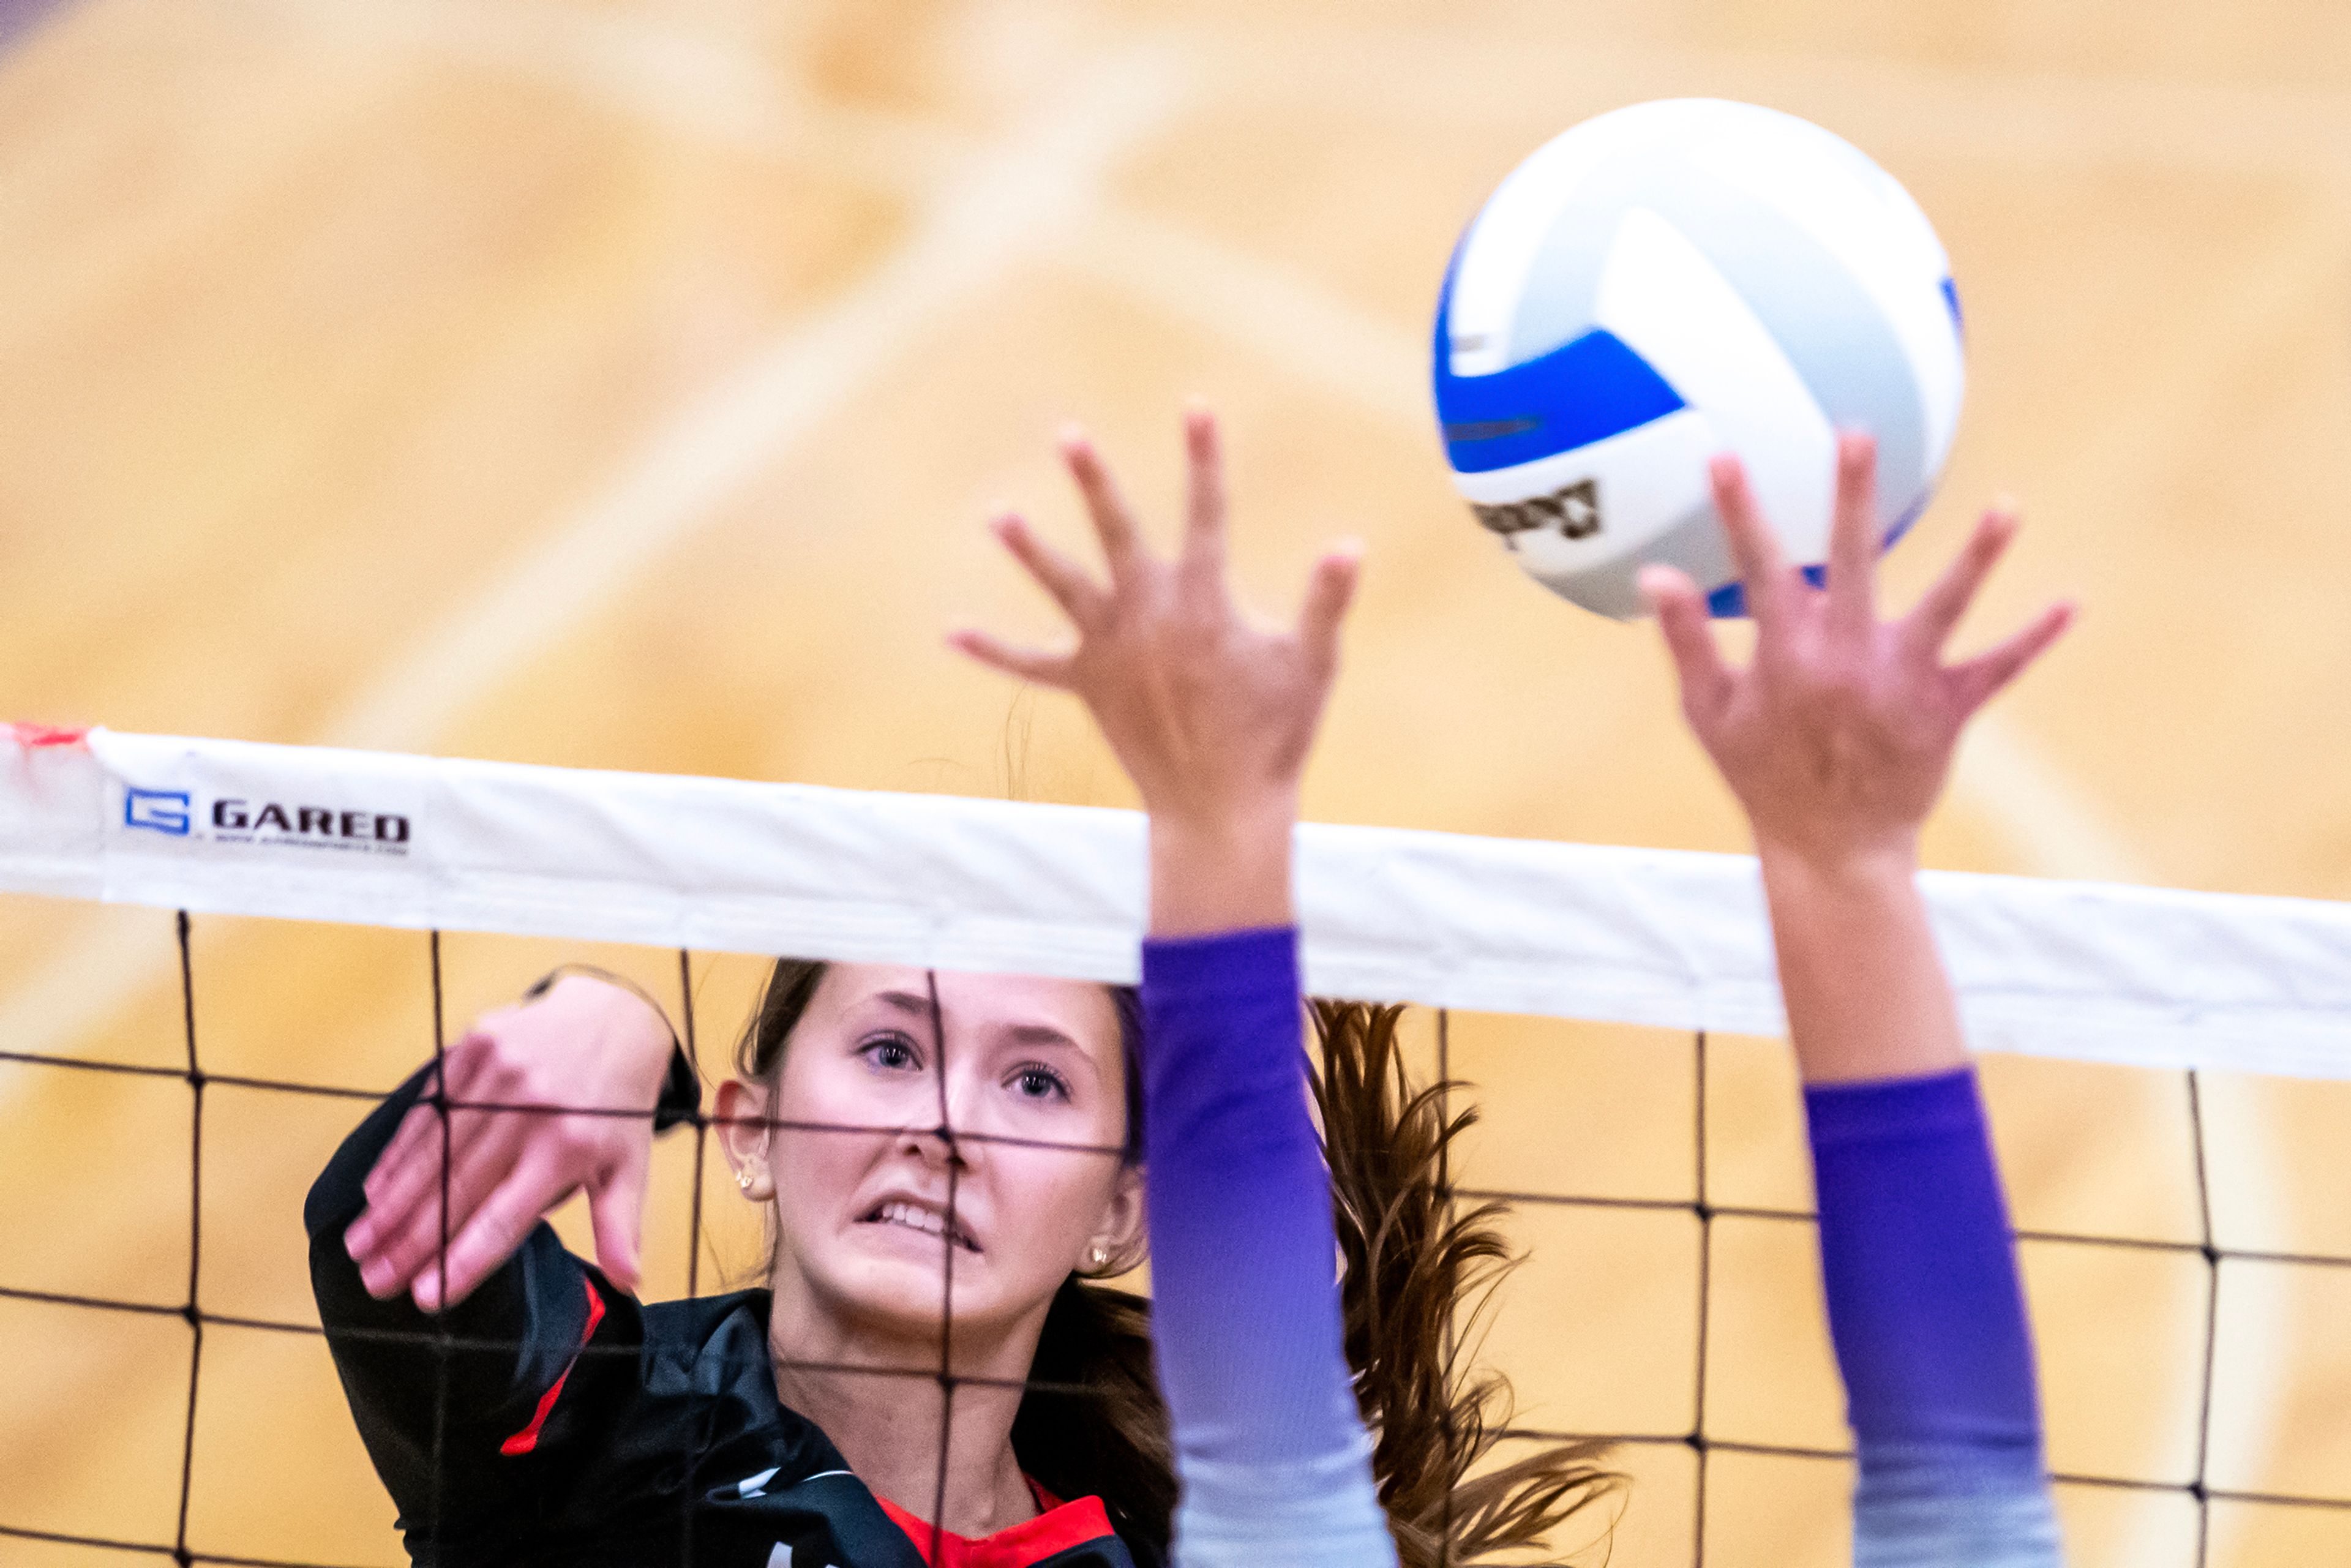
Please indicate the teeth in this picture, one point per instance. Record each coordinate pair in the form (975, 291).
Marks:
(908, 1215)
(922, 1219)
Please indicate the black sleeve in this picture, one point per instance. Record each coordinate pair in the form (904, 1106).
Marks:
(448, 1404)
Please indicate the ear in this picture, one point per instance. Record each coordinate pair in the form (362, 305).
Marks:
(746, 1138)
(1121, 1237)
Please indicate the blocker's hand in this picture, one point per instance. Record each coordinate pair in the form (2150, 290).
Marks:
(1211, 716)
(584, 1044)
(1837, 736)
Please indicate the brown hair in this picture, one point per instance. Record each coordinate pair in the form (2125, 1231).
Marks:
(1094, 1424)
(1419, 1284)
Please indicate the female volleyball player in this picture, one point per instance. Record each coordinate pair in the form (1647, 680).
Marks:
(769, 1428)
(1835, 740)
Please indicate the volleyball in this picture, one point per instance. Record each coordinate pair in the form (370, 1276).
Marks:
(1676, 279)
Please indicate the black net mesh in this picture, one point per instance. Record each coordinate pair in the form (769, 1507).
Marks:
(1700, 1216)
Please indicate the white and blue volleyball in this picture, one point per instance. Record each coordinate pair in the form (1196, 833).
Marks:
(1673, 280)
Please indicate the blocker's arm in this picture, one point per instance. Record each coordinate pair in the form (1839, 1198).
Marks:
(1836, 739)
(1247, 1321)
(1930, 1330)
(1919, 1271)
(1212, 719)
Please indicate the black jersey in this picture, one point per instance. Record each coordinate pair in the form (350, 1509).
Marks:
(549, 1418)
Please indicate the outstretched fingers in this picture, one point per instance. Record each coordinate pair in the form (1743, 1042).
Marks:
(1977, 681)
(1754, 547)
(1936, 614)
(1698, 669)
(1080, 597)
(1328, 591)
(1040, 665)
(1113, 522)
(1853, 542)
(1204, 493)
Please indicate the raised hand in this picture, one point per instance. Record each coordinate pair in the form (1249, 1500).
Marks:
(584, 1044)
(1210, 715)
(1837, 736)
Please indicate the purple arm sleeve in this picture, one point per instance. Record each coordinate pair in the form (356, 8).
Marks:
(1928, 1318)
(1273, 1452)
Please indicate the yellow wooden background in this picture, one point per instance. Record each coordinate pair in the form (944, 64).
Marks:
(623, 384)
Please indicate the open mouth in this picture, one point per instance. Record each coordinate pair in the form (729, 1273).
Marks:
(913, 1217)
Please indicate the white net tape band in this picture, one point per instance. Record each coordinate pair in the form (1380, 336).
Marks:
(2148, 977)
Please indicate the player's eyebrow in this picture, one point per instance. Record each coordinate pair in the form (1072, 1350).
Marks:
(1041, 1034)
(919, 1007)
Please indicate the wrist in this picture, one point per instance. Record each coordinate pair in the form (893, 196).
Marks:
(1228, 871)
(616, 1008)
(1226, 827)
(1865, 991)
(1856, 865)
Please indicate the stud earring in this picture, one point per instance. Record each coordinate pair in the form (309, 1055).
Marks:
(1096, 1257)
(742, 1180)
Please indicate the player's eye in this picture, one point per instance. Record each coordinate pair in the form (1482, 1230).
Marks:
(889, 1053)
(1034, 1081)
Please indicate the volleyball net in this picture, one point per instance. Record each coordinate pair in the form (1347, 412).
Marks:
(177, 1061)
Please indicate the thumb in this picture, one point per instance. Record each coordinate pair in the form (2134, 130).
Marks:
(616, 1209)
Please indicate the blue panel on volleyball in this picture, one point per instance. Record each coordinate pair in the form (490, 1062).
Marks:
(1729, 601)
(1586, 390)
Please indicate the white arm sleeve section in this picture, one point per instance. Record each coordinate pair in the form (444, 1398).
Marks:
(1316, 1513)
(1915, 1510)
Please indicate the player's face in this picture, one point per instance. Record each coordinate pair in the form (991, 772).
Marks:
(863, 1215)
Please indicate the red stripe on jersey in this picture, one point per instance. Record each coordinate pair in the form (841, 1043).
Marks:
(1020, 1546)
(31, 735)
(524, 1441)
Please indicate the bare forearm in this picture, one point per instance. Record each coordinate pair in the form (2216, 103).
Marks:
(1226, 872)
(1867, 994)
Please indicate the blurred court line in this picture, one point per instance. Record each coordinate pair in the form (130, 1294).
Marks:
(695, 83)
(1013, 200)
(687, 81)
(1887, 101)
